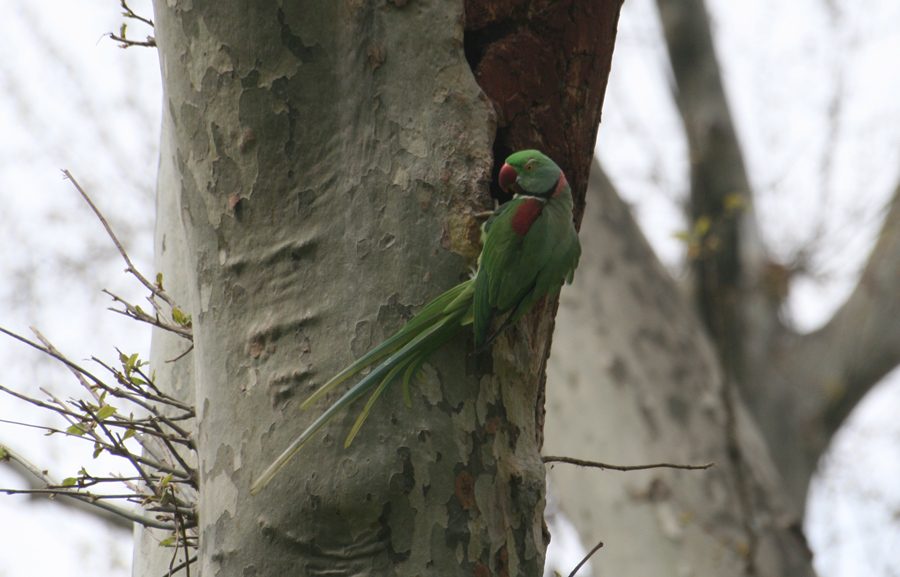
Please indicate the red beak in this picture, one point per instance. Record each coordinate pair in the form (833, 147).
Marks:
(508, 176)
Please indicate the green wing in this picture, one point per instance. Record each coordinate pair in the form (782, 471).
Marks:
(516, 271)
(499, 241)
(508, 268)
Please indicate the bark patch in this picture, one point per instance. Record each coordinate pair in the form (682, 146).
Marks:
(465, 491)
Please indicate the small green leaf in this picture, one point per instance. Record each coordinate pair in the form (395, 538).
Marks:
(159, 278)
(106, 412)
(98, 448)
(165, 480)
(682, 235)
(701, 227)
(4, 456)
(734, 201)
(181, 318)
(69, 481)
(170, 540)
(77, 429)
(128, 434)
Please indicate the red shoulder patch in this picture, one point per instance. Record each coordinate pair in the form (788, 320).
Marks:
(526, 214)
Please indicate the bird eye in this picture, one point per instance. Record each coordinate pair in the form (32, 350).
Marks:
(529, 167)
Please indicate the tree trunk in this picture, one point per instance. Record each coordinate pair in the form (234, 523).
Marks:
(322, 165)
(799, 388)
(633, 379)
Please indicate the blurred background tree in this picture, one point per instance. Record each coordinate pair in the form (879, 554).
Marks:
(765, 212)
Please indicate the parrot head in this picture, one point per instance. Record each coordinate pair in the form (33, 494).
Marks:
(531, 173)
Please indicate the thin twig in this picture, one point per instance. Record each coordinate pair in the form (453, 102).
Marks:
(185, 476)
(149, 382)
(112, 449)
(131, 268)
(129, 13)
(55, 490)
(178, 517)
(177, 456)
(41, 427)
(135, 313)
(120, 448)
(161, 398)
(46, 351)
(64, 412)
(150, 42)
(182, 355)
(598, 465)
(585, 560)
(94, 500)
(56, 353)
(41, 404)
(177, 568)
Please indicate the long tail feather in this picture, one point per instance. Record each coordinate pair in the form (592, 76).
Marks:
(426, 340)
(433, 311)
(385, 383)
(409, 362)
(412, 370)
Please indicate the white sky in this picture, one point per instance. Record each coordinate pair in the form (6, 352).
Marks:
(70, 99)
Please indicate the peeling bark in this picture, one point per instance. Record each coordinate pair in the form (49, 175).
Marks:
(323, 165)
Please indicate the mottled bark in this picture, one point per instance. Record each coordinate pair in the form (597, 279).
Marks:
(322, 164)
(634, 379)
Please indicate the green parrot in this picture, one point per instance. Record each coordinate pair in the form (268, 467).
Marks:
(530, 248)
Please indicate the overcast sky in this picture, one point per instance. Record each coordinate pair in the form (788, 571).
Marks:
(813, 87)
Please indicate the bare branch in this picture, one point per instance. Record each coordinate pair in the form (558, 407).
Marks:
(833, 367)
(124, 42)
(155, 289)
(182, 355)
(129, 13)
(177, 568)
(55, 352)
(93, 500)
(134, 312)
(586, 557)
(46, 351)
(598, 465)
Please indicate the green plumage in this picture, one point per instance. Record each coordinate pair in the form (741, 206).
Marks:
(523, 259)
